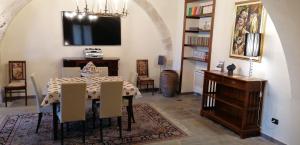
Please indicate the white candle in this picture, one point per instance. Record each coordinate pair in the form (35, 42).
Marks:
(76, 2)
(126, 4)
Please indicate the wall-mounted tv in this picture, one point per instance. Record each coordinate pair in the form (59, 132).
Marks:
(86, 32)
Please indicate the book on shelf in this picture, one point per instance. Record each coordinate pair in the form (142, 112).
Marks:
(198, 12)
(190, 11)
(201, 55)
(208, 9)
(194, 11)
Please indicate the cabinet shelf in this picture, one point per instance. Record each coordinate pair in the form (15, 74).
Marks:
(200, 16)
(231, 102)
(195, 59)
(191, 45)
(197, 31)
(191, 1)
(229, 122)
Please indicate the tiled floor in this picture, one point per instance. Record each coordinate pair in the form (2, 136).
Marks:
(183, 111)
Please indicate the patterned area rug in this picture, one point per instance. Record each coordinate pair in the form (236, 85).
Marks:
(150, 126)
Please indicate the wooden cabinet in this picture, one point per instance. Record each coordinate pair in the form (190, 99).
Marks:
(233, 101)
(111, 62)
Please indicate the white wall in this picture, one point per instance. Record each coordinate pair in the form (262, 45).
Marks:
(35, 35)
(272, 68)
(285, 14)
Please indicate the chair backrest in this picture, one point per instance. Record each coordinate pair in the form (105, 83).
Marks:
(132, 77)
(69, 72)
(142, 67)
(17, 70)
(38, 93)
(72, 104)
(111, 99)
(102, 71)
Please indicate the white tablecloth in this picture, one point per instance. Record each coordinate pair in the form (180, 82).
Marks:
(93, 88)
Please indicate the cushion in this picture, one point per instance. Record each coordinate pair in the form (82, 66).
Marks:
(144, 78)
(17, 71)
(89, 68)
(16, 83)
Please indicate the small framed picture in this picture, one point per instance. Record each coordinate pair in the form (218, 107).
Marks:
(208, 9)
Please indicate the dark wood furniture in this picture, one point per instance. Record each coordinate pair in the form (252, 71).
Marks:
(143, 79)
(111, 62)
(17, 80)
(233, 101)
(189, 47)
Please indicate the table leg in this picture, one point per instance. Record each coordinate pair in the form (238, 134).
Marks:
(153, 88)
(54, 121)
(129, 113)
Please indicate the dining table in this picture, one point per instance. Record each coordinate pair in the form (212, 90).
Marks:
(53, 95)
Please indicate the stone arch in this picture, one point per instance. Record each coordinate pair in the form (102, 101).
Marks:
(14, 7)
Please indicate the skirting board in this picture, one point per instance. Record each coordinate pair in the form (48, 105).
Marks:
(19, 97)
(272, 139)
(190, 93)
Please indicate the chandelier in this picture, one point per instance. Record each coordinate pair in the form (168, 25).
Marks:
(93, 9)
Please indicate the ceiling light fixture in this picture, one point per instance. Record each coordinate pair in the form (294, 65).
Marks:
(99, 8)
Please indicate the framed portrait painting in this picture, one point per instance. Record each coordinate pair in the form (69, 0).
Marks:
(250, 17)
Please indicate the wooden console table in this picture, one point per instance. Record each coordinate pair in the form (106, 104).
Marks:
(111, 62)
(233, 101)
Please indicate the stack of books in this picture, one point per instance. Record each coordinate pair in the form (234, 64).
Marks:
(201, 41)
(194, 11)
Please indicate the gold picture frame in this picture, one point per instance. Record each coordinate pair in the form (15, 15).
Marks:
(250, 17)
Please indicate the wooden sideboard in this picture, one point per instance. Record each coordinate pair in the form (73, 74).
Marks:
(233, 101)
(111, 62)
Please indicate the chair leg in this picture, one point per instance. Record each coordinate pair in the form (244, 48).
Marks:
(25, 97)
(5, 97)
(101, 131)
(39, 122)
(83, 131)
(109, 122)
(120, 126)
(62, 133)
(68, 126)
(94, 113)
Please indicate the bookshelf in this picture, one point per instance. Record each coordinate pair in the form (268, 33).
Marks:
(197, 42)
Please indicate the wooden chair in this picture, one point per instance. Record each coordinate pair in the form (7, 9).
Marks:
(69, 72)
(17, 80)
(38, 99)
(111, 103)
(102, 71)
(143, 75)
(72, 106)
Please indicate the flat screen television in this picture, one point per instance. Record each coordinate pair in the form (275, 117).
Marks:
(85, 32)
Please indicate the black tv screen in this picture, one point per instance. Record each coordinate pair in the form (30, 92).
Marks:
(86, 32)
